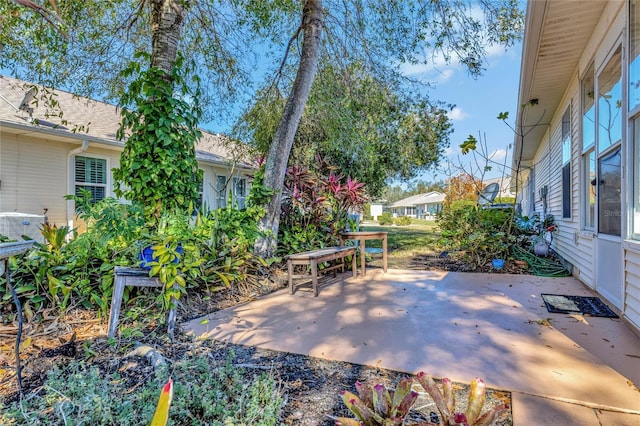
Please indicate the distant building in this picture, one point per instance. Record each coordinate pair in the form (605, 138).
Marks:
(504, 182)
(377, 208)
(421, 206)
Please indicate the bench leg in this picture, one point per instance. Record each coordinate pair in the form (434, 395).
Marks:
(290, 271)
(116, 302)
(314, 276)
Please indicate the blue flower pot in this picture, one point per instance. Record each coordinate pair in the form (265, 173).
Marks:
(498, 263)
(146, 256)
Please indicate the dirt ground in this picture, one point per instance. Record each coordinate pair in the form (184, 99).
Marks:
(311, 385)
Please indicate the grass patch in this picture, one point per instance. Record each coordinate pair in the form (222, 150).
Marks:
(405, 242)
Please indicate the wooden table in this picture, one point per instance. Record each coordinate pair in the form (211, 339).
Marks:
(362, 237)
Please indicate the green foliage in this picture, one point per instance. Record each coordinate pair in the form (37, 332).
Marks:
(402, 221)
(160, 115)
(358, 122)
(78, 271)
(468, 145)
(483, 234)
(385, 219)
(203, 394)
(315, 207)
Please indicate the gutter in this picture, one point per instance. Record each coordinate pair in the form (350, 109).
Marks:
(70, 183)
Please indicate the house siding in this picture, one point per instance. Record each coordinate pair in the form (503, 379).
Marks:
(34, 177)
(574, 242)
(632, 280)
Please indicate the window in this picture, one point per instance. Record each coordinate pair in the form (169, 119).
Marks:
(610, 103)
(566, 164)
(239, 192)
(588, 109)
(197, 203)
(588, 188)
(221, 191)
(608, 150)
(635, 225)
(91, 175)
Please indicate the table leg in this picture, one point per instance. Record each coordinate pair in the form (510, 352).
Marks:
(363, 255)
(314, 276)
(384, 253)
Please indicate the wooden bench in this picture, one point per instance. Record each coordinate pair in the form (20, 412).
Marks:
(134, 277)
(314, 257)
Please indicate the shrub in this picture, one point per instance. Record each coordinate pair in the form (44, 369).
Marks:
(483, 234)
(402, 221)
(385, 219)
(202, 394)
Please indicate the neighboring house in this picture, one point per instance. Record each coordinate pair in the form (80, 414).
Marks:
(504, 183)
(421, 206)
(42, 158)
(580, 154)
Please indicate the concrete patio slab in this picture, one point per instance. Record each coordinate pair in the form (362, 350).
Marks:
(562, 369)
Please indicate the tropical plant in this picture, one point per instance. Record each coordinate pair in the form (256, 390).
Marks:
(446, 402)
(378, 405)
(535, 228)
(316, 206)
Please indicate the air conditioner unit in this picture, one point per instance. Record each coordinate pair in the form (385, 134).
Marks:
(15, 225)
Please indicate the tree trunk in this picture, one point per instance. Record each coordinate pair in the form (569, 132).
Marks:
(166, 25)
(278, 155)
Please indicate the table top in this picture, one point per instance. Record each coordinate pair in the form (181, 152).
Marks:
(374, 234)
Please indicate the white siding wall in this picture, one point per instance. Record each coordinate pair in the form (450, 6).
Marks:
(632, 281)
(574, 246)
(34, 177)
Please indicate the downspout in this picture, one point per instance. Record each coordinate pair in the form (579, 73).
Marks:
(70, 182)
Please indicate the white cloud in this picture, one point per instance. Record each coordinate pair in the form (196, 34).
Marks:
(498, 155)
(449, 152)
(457, 114)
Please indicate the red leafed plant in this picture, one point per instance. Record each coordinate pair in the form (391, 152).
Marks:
(316, 204)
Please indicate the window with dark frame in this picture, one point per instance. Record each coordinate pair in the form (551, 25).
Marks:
(566, 164)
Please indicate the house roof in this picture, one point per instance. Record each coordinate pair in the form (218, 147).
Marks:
(420, 199)
(78, 118)
(556, 34)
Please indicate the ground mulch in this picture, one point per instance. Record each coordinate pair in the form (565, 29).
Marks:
(311, 385)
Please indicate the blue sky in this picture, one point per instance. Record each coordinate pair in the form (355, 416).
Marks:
(478, 101)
